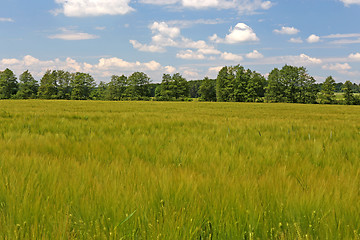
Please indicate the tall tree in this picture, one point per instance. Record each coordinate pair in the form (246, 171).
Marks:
(180, 86)
(82, 85)
(348, 93)
(63, 80)
(48, 86)
(327, 94)
(167, 87)
(8, 84)
(275, 89)
(208, 90)
(116, 87)
(28, 86)
(255, 87)
(138, 86)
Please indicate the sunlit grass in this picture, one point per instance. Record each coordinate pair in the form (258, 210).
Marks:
(150, 170)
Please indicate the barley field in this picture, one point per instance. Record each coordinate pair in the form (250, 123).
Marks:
(178, 170)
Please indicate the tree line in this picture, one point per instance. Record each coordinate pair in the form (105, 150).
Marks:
(233, 84)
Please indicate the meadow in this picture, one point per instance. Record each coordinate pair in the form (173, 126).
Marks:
(178, 170)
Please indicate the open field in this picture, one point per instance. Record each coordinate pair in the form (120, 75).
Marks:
(162, 170)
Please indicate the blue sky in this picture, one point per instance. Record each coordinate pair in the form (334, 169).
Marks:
(193, 37)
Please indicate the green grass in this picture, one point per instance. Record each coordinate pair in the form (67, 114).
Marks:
(161, 170)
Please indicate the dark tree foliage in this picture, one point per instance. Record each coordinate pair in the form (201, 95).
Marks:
(208, 90)
(116, 88)
(173, 87)
(138, 86)
(82, 85)
(347, 88)
(8, 84)
(28, 86)
(291, 84)
(235, 84)
(194, 88)
(327, 94)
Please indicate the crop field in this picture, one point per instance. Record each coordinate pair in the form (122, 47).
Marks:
(178, 170)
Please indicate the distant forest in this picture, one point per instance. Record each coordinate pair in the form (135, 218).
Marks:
(233, 84)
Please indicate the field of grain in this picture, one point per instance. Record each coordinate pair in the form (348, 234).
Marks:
(161, 170)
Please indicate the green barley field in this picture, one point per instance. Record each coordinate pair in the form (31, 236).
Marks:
(178, 170)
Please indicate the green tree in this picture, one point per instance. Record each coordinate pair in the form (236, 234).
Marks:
(275, 89)
(224, 84)
(180, 86)
(28, 86)
(138, 86)
(8, 84)
(327, 94)
(116, 88)
(167, 87)
(63, 80)
(208, 90)
(48, 86)
(256, 87)
(82, 85)
(348, 93)
(99, 92)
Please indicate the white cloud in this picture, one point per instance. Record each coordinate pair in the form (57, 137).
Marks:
(209, 51)
(354, 56)
(86, 8)
(287, 31)
(70, 34)
(200, 3)
(313, 39)
(242, 6)
(6, 20)
(163, 29)
(347, 35)
(337, 67)
(145, 47)
(254, 55)
(166, 36)
(231, 57)
(9, 61)
(296, 40)
(170, 69)
(346, 41)
(190, 74)
(189, 54)
(349, 2)
(240, 33)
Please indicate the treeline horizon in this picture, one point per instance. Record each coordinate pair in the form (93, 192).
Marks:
(233, 84)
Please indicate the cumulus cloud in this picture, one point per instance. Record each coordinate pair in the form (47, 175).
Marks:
(287, 31)
(354, 56)
(166, 36)
(254, 55)
(242, 6)
(296, 40)
(231, 57)
(6, 20)
(189, 54)
(350, 2)
(240, 33)
(71, 34)
(88, 8)
(313, 39)
(337, 67)
(146, 48)
(200, 3)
